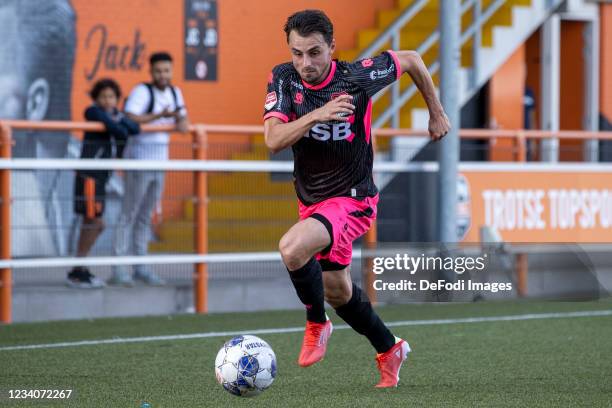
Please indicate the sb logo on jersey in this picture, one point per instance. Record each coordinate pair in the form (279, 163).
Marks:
(335, 132)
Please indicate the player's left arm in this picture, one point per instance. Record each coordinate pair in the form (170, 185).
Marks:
(412, 63)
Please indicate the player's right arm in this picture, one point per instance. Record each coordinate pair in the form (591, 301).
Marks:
(280, 134)
(279, 129)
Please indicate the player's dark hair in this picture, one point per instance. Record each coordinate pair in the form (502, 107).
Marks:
(103, 84)
(159, 56)
(307, 22)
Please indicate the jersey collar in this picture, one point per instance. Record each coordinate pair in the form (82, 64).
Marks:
(327, 80)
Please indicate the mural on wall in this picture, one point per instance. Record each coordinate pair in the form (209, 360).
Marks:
(112, 56)
(36, 84)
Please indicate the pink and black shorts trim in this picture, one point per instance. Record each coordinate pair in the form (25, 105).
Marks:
(346, 219)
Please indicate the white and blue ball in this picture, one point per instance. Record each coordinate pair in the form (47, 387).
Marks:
(245, 366)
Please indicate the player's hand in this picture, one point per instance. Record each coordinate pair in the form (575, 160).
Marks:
(338, 109)
(439, 125)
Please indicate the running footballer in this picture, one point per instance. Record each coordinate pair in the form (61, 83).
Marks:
(322, 108)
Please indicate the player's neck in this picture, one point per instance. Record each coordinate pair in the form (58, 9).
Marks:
(325, 74)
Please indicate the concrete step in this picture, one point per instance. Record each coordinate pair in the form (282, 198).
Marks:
(246, 207)
(46, 303)
(223, 236)
(247, 184)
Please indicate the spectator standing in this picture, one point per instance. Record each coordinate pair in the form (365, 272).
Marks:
(90, 185)
(155, 103)
(529, 122)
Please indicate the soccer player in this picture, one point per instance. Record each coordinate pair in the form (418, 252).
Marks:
(322, 109)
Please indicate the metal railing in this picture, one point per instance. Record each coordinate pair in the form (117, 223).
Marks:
(200, 165)
(392, 34)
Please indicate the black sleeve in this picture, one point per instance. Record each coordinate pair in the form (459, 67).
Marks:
(132, 127)
(374, 74)
(278, 99)
(95, 114)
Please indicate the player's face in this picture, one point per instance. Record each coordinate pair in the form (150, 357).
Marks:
(161, 72)
(107, 99)
(311, 56)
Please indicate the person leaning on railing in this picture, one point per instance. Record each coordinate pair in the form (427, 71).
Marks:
(90, 185)
(156, 103)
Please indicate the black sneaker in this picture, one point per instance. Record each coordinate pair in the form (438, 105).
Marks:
(80, 277)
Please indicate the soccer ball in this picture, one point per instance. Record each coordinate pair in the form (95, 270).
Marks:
(245, 366)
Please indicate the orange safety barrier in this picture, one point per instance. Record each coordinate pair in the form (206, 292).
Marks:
(201, 244)
(5, 226)
(200, 279)
(200, 138)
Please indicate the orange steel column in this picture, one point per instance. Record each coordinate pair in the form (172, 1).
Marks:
(521, 147)
(521, 274)
(200, 276)
(5, 227)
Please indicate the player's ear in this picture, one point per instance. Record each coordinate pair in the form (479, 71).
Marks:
(38, 99)
(332, 46)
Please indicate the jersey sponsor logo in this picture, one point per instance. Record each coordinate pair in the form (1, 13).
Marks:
(367, 63)
(299, 98)
(381, 73)
(280, 97)
(336, 132)
(337, 94)
(297, 85)
(270, 100)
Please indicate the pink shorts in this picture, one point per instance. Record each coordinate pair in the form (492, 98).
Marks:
(346, 219)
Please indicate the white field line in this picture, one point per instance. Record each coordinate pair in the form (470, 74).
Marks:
(401, 323)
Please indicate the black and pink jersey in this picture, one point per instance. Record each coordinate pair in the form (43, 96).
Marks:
(334, 159)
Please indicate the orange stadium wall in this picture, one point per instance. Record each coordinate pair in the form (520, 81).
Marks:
(572, 90)
(532, 62)
(506, 89)
(251, 42)
(522, 69)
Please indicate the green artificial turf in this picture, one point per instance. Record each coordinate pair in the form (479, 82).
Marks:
(561, 362)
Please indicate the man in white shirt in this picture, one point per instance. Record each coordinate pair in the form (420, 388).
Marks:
(156, 103)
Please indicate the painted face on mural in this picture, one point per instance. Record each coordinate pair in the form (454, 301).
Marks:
(12, 81)
(311, 56)
(161, 73)
(23, 94)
